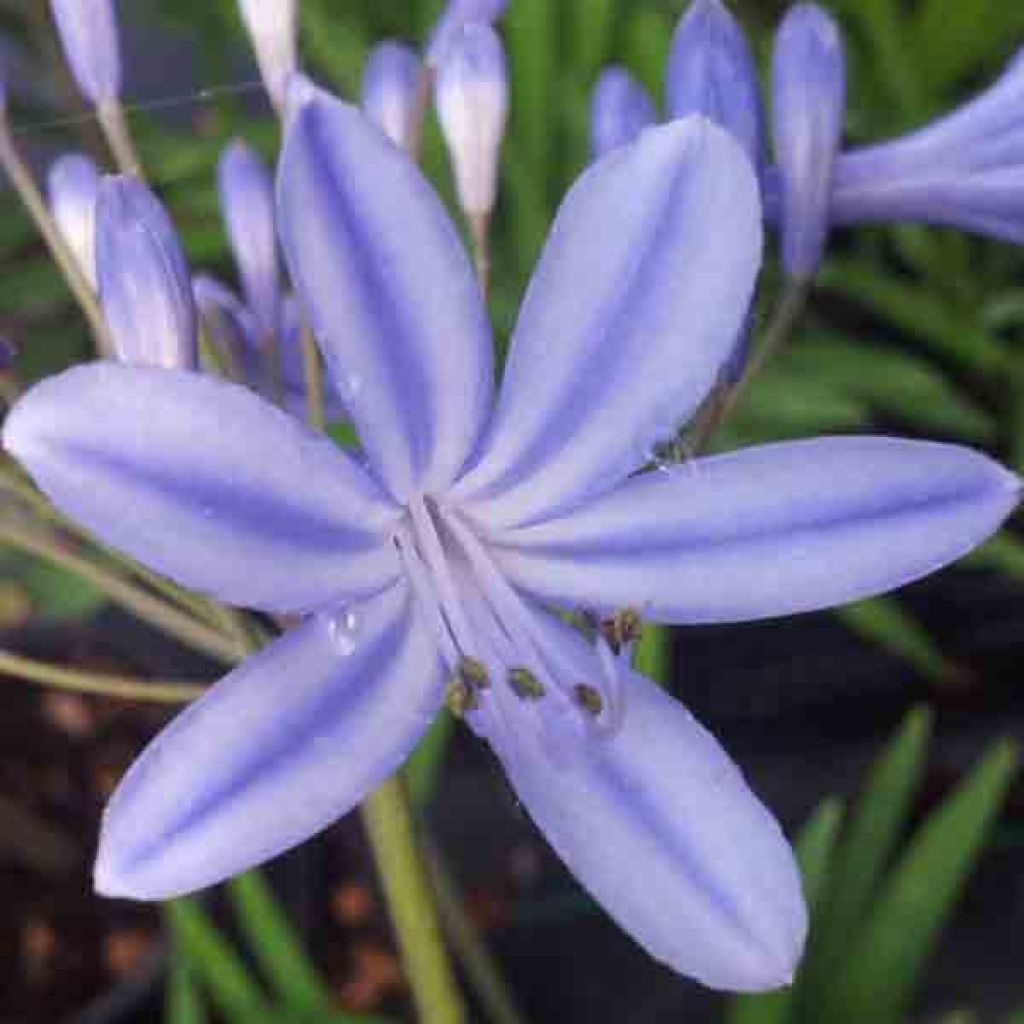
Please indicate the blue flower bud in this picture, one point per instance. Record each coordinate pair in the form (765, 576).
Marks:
(711, 72)
(88, 33)
(391, 84)
(809, 69)
(144, 284)
(457, 14)
(72, 183)
(246, 192)
(273, 27)
(619, 110)
(472, 105)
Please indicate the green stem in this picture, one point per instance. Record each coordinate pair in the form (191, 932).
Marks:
(653, 657)
(145, 606)
(32, 199)
(115, 129)
(389, 825)
(313, 371)
(480, 968)
(97, 684)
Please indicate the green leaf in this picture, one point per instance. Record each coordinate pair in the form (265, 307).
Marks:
(60, 596)
(815, 847)
(277, 948)
(183, 1003)
(892, 381)
(872, 836)
(1004, 552)
(884, 622)
(591, 36)
(918, 312)
(232, 989)
(647, 37)
(877, 979)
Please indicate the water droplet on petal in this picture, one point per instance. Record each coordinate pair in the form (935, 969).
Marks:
(343, 629)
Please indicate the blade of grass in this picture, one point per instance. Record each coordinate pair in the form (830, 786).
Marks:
(183, 1003)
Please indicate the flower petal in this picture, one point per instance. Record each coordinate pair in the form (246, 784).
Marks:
(662, 829)
(772, 530)
(637, 303)
(73, 182)
(620, 109)
(288, 742)
(206, 483)
(389, 287)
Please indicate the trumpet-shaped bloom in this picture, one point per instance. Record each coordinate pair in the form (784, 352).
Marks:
(433, 567)
(620, 110)
(88, 33)
(145, 287)
(73, 183)
(391, 85)
(809, 77)
(711, 71)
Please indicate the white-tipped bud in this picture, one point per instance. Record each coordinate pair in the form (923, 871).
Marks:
(73, 183)
(472, 106)
(391, 84)
(88, 34)
(273, 27)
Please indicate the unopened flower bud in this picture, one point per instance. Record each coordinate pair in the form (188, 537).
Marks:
(391, 84)
(472, 106)
(72, 183)
(619, 111)
(712, 72)
(809, 71)
(89, 36)
(246, 191)
(144, 284)
(273, 27)
(456, 16)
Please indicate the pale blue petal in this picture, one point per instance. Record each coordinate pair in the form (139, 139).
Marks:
(391, 294)
(458, 13)
(767, 531)
(206, 483)
(145, 287)
(88, 33)
(391, 85)
(73, 183)
(661, 828)
(288, 742)
(619, 110)
(247, 205)
(635, 308)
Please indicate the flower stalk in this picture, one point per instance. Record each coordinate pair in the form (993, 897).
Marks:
(115, 130)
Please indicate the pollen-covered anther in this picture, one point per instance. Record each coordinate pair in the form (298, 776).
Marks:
(460, 698)
(474, 674)
(622, 629)
(525, 685)
(588, 699)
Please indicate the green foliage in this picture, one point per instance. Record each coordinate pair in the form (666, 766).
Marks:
(878, 904)
(208, 969)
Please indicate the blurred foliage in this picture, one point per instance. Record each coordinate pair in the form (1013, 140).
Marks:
(879, 899)
(211, 972)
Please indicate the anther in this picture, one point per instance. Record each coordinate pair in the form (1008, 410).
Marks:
(525, 684)
(474, 674)
(622, 629)
(461, 698)
(588, 699)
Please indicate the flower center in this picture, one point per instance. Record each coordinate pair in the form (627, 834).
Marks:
(506, 655)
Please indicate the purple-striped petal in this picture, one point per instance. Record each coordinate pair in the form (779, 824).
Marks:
(288, 742)
(767, 531)
(247, 205)
(73, 183)
(809, 90)
(391, 294)
(206, 483)
(89, 36)
(660, 826)
(619, 110)
(145, 286)
(712, 72)
(635, 307)
(391, 83)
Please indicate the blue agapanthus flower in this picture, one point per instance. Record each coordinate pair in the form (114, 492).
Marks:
(437, 565)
